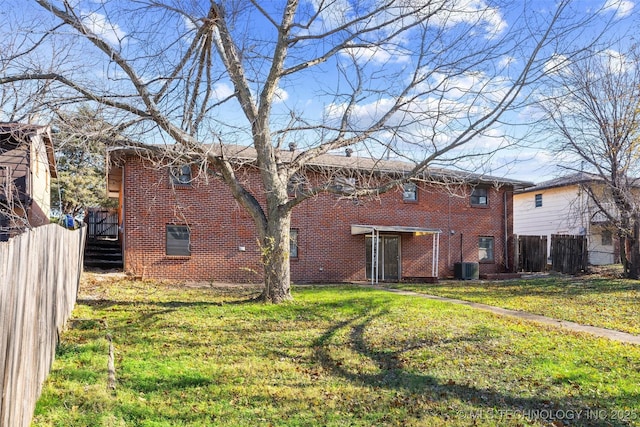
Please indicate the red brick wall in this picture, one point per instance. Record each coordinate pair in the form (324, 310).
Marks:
(327, 250)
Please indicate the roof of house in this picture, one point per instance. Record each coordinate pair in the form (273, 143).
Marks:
(564, 181)
(354, 162)
(19, 132)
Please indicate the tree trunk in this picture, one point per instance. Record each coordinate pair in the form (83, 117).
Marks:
(634, 254)
(275, 258)
(622, 244)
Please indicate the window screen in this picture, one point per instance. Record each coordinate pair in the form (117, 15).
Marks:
(479, 197)
(293, 243)
(178, 240)
(181, 175)
(410, 192)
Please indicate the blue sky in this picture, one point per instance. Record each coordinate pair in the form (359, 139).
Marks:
(312, 94)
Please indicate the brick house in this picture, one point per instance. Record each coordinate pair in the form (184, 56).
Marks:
(27, 165)
(178, 224)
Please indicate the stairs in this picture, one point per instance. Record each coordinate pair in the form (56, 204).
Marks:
(105, 254)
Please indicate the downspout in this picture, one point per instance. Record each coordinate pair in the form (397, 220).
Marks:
(435, 267)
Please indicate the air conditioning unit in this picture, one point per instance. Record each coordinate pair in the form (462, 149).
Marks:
(466, 270)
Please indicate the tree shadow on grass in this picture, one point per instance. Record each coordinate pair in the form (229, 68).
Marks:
(159, 383)
(107, 303)
(392, 374)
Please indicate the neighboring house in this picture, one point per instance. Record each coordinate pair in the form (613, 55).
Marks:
(562, 206)
(27, 164)
(178, 224)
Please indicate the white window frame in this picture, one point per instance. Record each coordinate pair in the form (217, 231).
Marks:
(409, 192)
(487, 250)
(181, 175)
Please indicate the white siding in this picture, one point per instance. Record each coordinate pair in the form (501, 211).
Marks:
(40, 174)
(600, 254)
(564, 210)
(559, 213)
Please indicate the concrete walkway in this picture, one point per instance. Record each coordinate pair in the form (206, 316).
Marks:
(599, 332)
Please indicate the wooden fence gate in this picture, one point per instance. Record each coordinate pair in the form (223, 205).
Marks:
(532, 253)
(102, 223)
(569, 253)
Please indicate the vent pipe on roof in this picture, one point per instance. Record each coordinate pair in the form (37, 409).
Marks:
(348, 152)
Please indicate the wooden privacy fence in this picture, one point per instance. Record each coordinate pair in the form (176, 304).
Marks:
(39, 277)
(569, 253)
(532, 253)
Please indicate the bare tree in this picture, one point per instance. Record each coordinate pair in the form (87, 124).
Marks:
(22, 38)
(421, 81)
(596, 123)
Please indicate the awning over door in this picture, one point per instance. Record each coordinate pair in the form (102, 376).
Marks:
(368, 229)
(375, 230)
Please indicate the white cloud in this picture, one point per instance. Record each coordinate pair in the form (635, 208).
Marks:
(556, 64)
(472, 12)
(622, 8)
(378, 54)
(535, 165)
(100, 26)
(188, 23)
(506, 61)
(445, 14)
(617, 62)
(222, 90)
(281, 95)
(495, 23)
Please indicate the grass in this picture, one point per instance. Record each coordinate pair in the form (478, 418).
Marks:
(590, 300)
(336, 356)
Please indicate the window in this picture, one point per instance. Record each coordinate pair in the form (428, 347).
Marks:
(479, 197)
(296, 185)
(538, 200)
(485, 252)
(180, 175)
(178, 240)
(5, 183)
(293, 243)
(410, 192)
(344, 185)
(607, 238)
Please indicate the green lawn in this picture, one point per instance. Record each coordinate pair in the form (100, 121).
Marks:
(589, 300)
(336, 356)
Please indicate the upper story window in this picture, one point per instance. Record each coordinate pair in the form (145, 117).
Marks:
(180, 175)
(480, 196)
(538, 200)
(410, 192)
(607, 238)
(296, 185)
(178, 240)
(344, 184)
(5, 181)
